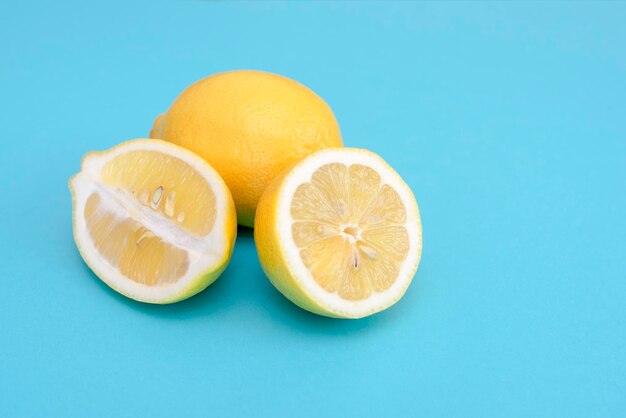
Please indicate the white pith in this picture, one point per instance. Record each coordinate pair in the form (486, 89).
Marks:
(332, 302)
(205, 253)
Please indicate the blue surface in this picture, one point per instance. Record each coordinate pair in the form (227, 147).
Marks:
(506, 119)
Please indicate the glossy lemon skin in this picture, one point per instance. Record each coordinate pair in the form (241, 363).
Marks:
(249, 125)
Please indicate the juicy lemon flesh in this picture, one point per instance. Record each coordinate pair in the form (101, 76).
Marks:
(350, 230)
(136, 251)
(165, 184)
(162, 184)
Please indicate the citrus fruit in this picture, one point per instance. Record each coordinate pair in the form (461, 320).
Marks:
(249, 125)
(154, 221)
(339, 233)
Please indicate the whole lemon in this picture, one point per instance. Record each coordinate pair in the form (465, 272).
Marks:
(249, 125)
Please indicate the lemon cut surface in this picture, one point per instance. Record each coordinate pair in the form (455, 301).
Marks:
(152, 220)
(339, 233)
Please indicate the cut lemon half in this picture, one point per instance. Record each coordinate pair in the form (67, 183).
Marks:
(154, 221)
(339, 233)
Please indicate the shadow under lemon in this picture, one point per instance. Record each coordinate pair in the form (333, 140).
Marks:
(244, 284)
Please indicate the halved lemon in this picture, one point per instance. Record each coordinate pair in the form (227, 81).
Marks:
(339, 233)
(154, 221)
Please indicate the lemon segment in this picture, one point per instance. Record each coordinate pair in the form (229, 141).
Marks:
(135, 250)
(163, 182)
(339, 233)
(153, 221)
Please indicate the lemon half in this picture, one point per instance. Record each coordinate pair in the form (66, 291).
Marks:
(339, 233)
(154, 221)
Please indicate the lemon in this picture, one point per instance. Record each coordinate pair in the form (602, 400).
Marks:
(249, 125)
(154, 221)
(339, 233)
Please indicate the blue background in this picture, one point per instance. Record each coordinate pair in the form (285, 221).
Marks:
(508, 120)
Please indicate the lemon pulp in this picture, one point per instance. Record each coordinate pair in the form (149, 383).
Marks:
(165, 184)
(157, 185)
(350, 230)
